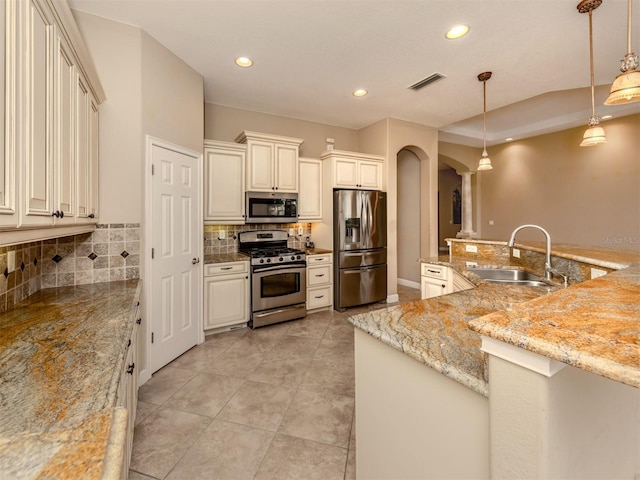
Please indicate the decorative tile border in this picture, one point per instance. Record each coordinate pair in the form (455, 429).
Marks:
(110, 253)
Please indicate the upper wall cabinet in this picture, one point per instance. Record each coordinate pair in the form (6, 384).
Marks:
(52, 97)
(310, 196)
(224, 164)
(353, 170)
(272, 162)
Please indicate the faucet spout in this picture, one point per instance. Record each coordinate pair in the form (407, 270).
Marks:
(547, 261)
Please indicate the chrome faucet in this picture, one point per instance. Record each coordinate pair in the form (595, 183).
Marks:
(548, 270)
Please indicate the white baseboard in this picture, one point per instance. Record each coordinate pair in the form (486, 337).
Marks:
(409, 283)
(393, 298)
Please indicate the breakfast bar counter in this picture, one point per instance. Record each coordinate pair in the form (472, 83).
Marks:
(62, 351)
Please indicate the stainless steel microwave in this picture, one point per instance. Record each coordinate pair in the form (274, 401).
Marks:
(271, 207)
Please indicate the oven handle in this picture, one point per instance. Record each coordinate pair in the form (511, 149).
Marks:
(286, 266)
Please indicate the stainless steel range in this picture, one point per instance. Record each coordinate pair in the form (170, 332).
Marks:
(278, 277)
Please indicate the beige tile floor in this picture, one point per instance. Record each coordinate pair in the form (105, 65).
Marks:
(272, 403)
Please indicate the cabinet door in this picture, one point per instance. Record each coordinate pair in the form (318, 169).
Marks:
(37, 77)
(430, 287)
(82, 147)
(225, 300)
(260, 166)
(8, 114)
(224, 186)
(310, 196)
(286, 168)
(93, 160)
(370, 175)
(345, 173)
(320, 275)
(64, 148)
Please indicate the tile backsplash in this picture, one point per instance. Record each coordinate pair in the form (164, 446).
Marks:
(214, 245)
(110, 253)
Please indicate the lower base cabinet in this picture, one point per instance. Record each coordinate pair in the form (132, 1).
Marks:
(226, 294)
(319, 281)
(436, 280)
(127, 395)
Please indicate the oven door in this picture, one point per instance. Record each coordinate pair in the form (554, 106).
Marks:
(278, 286)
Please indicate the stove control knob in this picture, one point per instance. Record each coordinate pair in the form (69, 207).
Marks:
(268, 260)
(280, 259)
(298, 257)
(262, 260)
(293, 257)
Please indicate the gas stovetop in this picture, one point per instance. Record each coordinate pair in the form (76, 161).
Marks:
(269, 247)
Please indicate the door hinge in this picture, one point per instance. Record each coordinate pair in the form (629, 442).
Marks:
(151, 337)
(153, 170)
(153, 253)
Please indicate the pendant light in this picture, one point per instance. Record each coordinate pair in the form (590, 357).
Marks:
(594, 135)
(485, 161)
(626, 86)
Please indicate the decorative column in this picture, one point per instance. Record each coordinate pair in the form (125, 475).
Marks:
(467, 208)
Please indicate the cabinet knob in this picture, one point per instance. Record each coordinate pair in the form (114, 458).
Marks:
(444, 286)
(130, 368)
(139, 321)
(56, 214)
(91, 215)
(195, 261)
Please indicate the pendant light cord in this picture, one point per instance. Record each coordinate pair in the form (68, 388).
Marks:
(593, 104)
(484, 117)
(629, 27)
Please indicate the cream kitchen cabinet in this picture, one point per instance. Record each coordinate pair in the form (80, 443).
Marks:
(319, 281)
(127, 393)
(435, 280)
(226, 294)
(224, 164)
(310, 196)
(272, 162)
(354, 170)
(54, 176)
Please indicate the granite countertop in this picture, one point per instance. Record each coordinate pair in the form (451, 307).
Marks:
(225, 257)
(61, 354)
(435, 331)
(317, 251)
(593, 325)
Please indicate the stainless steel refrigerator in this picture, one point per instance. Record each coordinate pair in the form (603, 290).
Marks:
(360, 247)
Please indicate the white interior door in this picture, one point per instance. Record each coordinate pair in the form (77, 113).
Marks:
(175, 243)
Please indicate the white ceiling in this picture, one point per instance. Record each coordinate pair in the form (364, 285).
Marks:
(309, 55)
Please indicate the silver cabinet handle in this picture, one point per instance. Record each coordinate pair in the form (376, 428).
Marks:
(194, 261)
(226, 268)
(321, 275)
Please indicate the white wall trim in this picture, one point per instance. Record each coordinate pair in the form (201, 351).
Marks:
(409, 283)
(519, 356)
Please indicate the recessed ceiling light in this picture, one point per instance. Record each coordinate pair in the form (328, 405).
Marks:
(361, 92)
(457, 32)
(508, 139)
(606, 117)
(244, 62)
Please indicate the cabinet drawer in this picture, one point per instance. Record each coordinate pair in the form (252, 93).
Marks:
(319, 297)
(318, 259)
(434, 271)
(319, 275)
(225, 268)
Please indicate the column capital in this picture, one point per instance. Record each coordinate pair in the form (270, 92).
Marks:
(468, 172)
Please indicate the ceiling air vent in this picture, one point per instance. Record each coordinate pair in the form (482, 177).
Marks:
(434, 77)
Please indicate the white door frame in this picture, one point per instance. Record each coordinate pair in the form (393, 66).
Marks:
(150, 142)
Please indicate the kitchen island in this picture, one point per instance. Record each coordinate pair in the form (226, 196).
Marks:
(461, 424)
(62, 351)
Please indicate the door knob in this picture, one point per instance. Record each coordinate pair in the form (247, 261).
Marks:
(195, 261)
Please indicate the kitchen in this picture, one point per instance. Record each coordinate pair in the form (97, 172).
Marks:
(126, 48)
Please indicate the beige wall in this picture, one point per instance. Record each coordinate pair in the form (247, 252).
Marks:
(588, 196)
(149, 91)
(172, 97)
(226, 123)
(408, 216)
(116, 52)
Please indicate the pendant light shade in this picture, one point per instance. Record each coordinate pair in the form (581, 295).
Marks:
(626, 86)
(485, 161)
(594, 135)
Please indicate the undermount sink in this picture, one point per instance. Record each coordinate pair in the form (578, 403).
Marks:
(509, 276)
